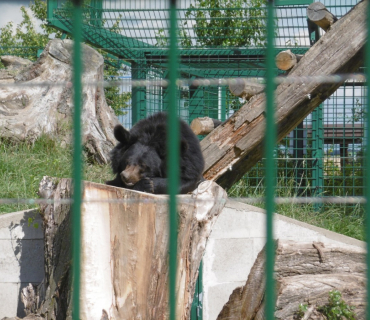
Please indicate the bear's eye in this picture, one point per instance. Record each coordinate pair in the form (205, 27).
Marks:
(143, 167)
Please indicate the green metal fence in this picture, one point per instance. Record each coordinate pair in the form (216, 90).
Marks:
(323, 156)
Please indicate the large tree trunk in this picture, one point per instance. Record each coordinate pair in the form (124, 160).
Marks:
(236, 146)
(124, 250)
(46, 107)
(305, 273)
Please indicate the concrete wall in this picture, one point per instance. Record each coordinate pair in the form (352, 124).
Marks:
(21, 259)
(237, 238)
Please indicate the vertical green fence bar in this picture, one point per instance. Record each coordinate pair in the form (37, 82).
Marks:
(270, 164)
(173, 156)
(77, 159)
(367, 161)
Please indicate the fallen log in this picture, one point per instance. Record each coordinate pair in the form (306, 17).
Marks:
(320, 15)
(302, 277)
(43, 107)
(286, 60)
(204, 125)
(124, 254)
(236, 145)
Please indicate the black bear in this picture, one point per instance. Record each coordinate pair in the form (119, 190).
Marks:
(139, 159)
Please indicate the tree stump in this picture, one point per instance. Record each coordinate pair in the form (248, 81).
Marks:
(124, 269)
(305, 273)
(46, 108)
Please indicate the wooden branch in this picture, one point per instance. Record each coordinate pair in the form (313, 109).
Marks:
(205, 125)
(302, 278)
(124, 253)
(236, 145)
(286, 60)
(245, 89)
(321, 16)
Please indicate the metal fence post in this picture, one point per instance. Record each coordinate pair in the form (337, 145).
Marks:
(270, 163)
(77, 158)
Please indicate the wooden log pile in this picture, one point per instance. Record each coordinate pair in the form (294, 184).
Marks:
(305, 274)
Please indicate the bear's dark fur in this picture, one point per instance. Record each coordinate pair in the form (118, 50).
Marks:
(139, 159)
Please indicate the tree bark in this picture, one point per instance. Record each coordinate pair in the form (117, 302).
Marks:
(321, 16)
(304, 275)
(124, 254)
(46, 108)
(286, 60)
(236, 146)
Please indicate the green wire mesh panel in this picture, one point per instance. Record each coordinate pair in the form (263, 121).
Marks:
(321, 157)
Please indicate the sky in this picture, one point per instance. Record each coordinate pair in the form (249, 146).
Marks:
(10, 11)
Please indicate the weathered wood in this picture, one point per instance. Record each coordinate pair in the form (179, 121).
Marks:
(236, 146)
(124, 254)
(302, 277)
(245, 88)
(320, 15)
(286, 60)
(46, 108)
(204, 125)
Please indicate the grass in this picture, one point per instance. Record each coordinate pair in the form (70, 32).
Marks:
(22, 166)
(343, 219)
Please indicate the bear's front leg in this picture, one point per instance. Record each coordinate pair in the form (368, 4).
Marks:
(152, 185)
(144, 185)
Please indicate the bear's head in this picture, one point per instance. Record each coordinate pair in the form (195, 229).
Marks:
(134, 160)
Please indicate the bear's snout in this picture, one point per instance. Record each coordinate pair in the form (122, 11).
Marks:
(131, 175)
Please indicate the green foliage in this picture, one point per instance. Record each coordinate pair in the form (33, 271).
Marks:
(337, 309)
(302, 310)
(228, 23)
(220, 23)
(44, 157)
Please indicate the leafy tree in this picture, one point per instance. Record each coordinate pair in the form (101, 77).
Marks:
(25, 40)
(228, 23)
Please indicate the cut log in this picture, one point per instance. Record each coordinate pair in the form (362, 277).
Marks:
(28, 112)
(124, 254)
(205, 125)
(321, 16)
(245, 89)
(236, 145)
(286, 60)
(302, 277)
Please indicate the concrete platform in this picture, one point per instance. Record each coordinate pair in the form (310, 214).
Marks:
(21, 259)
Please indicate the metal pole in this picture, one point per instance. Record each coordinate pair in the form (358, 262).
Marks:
(270, 163)
(367, 161)
(173, 157)
(77, 159)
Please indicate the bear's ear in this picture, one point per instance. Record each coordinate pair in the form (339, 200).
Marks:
(121, 134)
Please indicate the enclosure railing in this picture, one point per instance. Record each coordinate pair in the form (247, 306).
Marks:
(173, 152)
